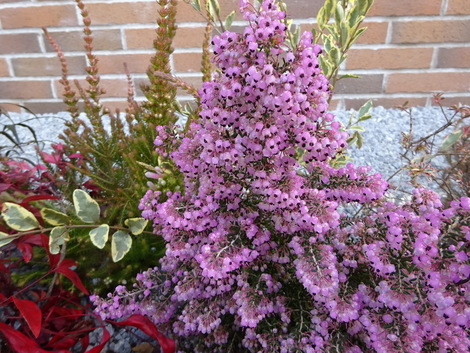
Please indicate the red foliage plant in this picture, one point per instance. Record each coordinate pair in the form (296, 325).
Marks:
(43, 316)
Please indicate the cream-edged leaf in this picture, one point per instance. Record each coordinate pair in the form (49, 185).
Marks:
(57, 238)
(5, 239)
(86, 208)
(18, 217)
(120, 245)
(54, 217)
(136, 225)
(99, 236)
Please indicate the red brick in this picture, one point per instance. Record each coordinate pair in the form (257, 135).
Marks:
(376, 33)
(25, 89)
(428, 82)
(39, 16)
(187, 62)
(334, 103)
(19, 43)
(384, 102)
(140, 38)
(303, 9)
(403, 58)
(364, 84)
(114, 63)
(186, 13)
(431, 31)
(73, 41)
(4, 71)
(458, 7)
(123, 13)
(456, 100)
(46, 107)
(47, 66)
(113, 87)
(454, 57)
(112, 106)
(10, 107)
(405, 8)
(186, 37)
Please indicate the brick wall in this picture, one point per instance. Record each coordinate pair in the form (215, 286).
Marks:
(411, 49)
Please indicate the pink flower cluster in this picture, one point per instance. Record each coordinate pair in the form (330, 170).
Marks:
(260, 256)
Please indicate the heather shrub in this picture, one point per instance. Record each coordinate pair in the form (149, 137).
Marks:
(110, 154)
(263, 252)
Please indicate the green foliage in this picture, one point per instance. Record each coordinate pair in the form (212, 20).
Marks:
(18, 218)
(86, 208)
(53, 217)
(339, 24)
(136, 225)
(87, 211)
(120, 245)
(354, 129)
(115, 151)
(99, 236)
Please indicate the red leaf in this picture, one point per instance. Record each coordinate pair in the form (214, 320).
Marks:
(70, 274)
(62, 342)
(104, 339)
(39, 198)
(31, 313)
(26, 250)
(19, 342)
(85, 341)
(90, 185)
(26, 242)
(4, 187)
(76, 155)
(147, 326)
(49, 158)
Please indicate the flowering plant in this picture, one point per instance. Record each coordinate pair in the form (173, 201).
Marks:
(263, 253)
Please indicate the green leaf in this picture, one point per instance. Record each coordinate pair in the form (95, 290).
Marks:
(229, 20)
(18, 217)
(214, 9)
(57, 238)
(364, 117)
(344, 34)
(358, 34)
(357, 128)
(339, 13)
(5, 239)
(353, 16)
(86, 208)
(136, 225)
(54, 217)
(360, 140)
(348, 76)
(120, 245)
(365, 109)
(451, 139)
(335, 56)
(99, 236)
(324, 14)
(197, 5)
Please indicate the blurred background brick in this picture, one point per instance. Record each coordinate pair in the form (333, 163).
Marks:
(410, 50)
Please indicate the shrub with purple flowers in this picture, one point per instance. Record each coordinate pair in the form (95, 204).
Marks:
(264, 252)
